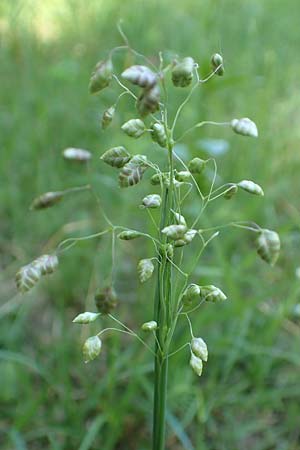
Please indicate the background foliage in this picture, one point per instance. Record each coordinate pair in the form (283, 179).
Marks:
(249, 394)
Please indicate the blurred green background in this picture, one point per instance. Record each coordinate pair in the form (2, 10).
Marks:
(249, 394)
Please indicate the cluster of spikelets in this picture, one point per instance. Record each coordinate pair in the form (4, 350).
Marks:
(131, 170)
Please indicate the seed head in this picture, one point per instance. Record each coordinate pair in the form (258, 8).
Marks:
(149, 326)
(245, 127)
(199, 348)
(86, 317)
(140, 75)
(101, 77)
(158, 134)
(107, 117)
(182, 74)
(196, 364)
(217, 63)
(46, 200)
(197, 165)
(152, 201)
(91, 348)
(251, 187)
(116, 157)
(268, 246)
(145, 269)
(134, 128)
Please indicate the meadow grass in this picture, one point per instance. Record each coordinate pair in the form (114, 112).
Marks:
(249, 395)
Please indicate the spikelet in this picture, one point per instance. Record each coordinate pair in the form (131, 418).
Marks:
(134, 128)
(268, 246)
(180, 220)
(46, 200)
(129, 235)
(212, 293)
(183, 176)
(174, 232)
(158, 134)
(244, 127)
(182, 74)
(152, 201)
(231, 191)
(107, 117)
(199, 348)
(76, 154)
(133, 171)
(251, 187)
(116, 157)
(101, 77)
(27, 277)
(186, 239)
(86, 317)
(145, 269)
(106, 300)
(159, 178)
(91, 348)
(149, 326)
(191, 294)
(46, 263)
(196, 364)
(148, 102)
(217, 63)
(140, 75)
(197, 165)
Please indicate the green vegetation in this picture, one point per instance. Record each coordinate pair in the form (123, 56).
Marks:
(249, 394)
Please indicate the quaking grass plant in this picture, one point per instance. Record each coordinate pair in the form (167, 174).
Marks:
(170, 185)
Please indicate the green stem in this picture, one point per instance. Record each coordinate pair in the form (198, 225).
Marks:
(163, 316)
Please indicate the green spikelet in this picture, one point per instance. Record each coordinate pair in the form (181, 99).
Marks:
(268, 246)
(116, 157)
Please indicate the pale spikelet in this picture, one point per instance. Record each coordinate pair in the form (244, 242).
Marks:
(191, 294)
(149, 326)
(86, 317)
(186, 239)
(134, 128)
(184, 176)
(116, 157)
(212, 293)
(244, 127)
(133, 171)
(158, 134)
(268, 246)
(196, 364)
(199, 348)
(107, 117)
(46, 263)
(129, 235)
(76, 154)
(101, 77)
(27, 277)
(148, 102)
(217, 63)
(182, 74)
(140, 75)
(91, 348)
(174, 232)
(180, 219)
(46, 200)
(145, 269)
(151, 201)
(251, 187)
(197, 165)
